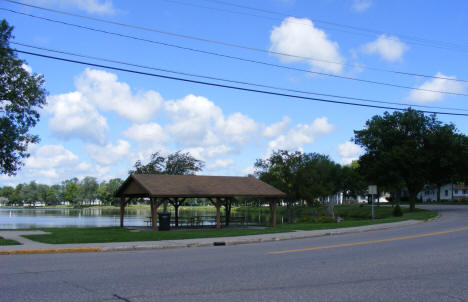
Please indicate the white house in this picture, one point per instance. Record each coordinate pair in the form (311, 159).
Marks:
(460, 192)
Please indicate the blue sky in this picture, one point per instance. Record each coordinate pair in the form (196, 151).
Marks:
(98, 122)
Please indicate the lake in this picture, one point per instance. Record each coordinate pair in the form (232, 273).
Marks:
(20, 218)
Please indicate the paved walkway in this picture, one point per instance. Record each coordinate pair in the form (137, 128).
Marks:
(28, 246)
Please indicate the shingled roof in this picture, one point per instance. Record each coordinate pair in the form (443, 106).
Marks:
(162, 185)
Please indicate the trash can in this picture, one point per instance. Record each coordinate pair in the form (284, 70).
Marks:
(164, 221)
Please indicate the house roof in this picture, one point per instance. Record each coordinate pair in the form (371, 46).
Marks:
(163, 185)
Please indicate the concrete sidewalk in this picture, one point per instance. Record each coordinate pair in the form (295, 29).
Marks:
(32, 247)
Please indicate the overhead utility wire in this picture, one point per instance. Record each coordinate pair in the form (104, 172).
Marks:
(327, 26)
(233, 57)
(228, 86)
(374, 31)
(230, 81)
(236, 45)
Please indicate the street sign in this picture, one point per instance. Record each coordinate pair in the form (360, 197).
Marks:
(373, 190)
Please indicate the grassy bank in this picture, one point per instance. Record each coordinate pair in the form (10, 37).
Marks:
(114, 234)
(8, 242)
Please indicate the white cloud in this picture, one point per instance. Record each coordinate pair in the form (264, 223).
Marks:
(349, 151)
(361, 5)
(420, 96)
(48, 173)
(301, 38)
(73, 116)
(220, 164)
(147, 133)
(301, 135)
(389, 48)
(151, 137)
(250, 170)
(198, 122)
(237, 128)
(83, 166)
(276, 128)
(90, 6)
(108, 154)
(193, 120)
(104, 90)
(50, 156)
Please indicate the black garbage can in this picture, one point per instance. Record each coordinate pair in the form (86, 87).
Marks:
(164, 221)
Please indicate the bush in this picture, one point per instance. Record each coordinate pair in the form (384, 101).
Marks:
(397, 212)
(324, 219)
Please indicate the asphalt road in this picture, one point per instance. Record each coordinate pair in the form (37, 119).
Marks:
(424, 262)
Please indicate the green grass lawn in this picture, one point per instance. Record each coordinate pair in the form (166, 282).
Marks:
(8, 242)
(352, 214)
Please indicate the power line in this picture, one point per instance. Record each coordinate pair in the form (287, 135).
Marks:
(228, 86)
(231, 81)
(228, 44)
(232, 57)
(362, 29)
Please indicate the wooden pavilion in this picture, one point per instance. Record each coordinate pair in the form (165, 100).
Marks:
(219, 190)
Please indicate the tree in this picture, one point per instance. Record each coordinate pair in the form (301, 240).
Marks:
(352, 182)
(88, 189)
(156, 165)
(53, 194)
(177, 163)
(319, 176)
(6, 192)
(71, 190)
(448, 156)
(107, 190)
(396, 149)
(182, 164)
(281, 171)
(21, 95)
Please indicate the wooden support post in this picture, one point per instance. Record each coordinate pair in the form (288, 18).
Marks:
(227, 206)
(154, 216)
(218, 213)
(273, 213)
(122, 210)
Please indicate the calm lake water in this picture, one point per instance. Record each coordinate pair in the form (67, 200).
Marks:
(32, 218)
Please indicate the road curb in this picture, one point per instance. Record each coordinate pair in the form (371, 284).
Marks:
(51, 251)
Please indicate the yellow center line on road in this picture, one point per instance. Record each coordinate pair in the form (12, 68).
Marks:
(368, 242)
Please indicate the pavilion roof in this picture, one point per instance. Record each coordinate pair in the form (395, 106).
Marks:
(163, 185)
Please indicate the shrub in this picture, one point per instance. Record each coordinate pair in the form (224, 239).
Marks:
(324, 219)
(397, 212)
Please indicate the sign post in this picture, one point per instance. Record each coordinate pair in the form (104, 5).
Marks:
(372, 191)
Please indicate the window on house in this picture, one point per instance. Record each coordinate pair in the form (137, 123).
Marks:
(446, 192)
(456, 191)
(464, 191)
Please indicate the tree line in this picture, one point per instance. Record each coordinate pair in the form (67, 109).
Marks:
(74, 191)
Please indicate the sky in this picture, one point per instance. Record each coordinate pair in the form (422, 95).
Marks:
(99, 121)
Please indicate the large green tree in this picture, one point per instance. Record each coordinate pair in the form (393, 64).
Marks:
(447, 156)
(177, 163)
(281, 171)
(21, 95)
(400, 149)
(88, 189)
